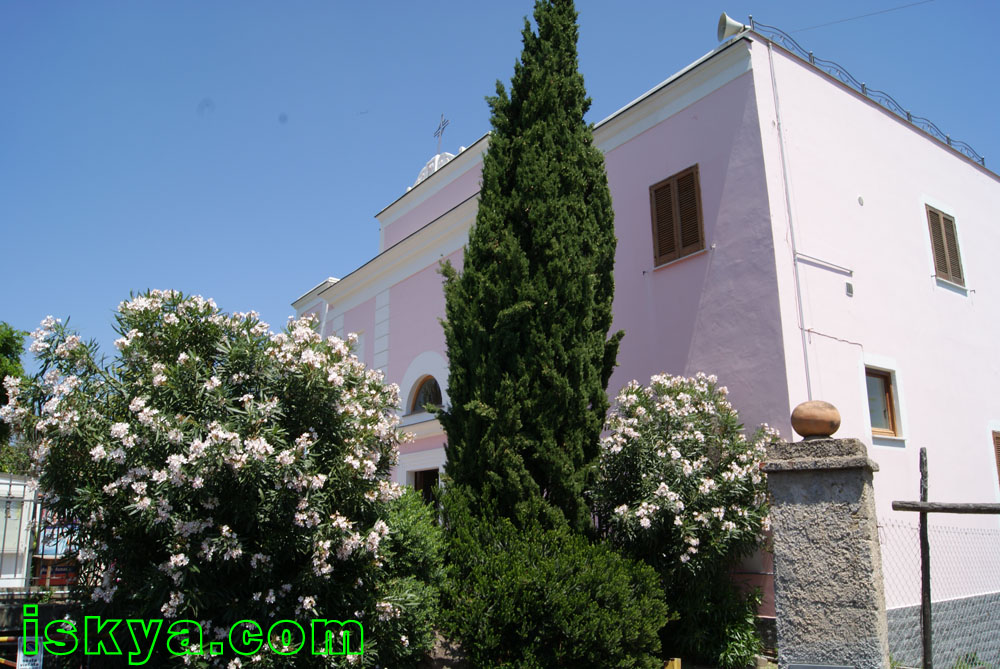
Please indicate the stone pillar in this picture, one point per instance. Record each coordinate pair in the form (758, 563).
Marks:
(828, 588)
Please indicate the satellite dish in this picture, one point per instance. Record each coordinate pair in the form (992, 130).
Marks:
(728, 27)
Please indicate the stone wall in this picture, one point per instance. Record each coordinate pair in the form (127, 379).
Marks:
(960, 627)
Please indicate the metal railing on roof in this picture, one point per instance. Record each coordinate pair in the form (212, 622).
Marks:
(881, 97)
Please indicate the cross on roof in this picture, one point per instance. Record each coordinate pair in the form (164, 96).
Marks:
(439, 133)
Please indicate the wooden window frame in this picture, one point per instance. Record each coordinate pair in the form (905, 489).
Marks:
(679, 251)
(889, 391)
(996, 450)
(945, 252)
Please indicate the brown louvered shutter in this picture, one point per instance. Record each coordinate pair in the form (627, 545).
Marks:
(937, 242)
(687, 205)
(663, 225)
(944, 243)
(677, 222)
(996, 450)
(951, 243)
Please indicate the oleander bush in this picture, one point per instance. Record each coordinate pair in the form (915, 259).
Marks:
(680, 488)
(217, 471)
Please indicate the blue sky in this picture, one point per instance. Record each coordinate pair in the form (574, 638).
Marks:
(240, 149)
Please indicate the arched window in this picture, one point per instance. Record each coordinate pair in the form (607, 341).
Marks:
(428, 392)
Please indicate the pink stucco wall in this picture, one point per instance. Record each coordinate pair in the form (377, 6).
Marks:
(416, 304)
(715, 311)
(361, 319)
(457, 190)
(859, 180)
(425, 444)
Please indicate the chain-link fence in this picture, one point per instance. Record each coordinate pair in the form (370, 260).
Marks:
(965, 593)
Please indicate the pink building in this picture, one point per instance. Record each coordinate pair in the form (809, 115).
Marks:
(776, 227)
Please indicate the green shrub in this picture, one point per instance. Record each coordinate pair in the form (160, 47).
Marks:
(413, 555)
(680, 488)
(416, 545)
(548, 598)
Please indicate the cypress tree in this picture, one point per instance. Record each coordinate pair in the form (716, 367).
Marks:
(527, 319)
